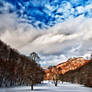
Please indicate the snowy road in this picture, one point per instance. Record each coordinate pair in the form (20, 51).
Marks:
(49, 87)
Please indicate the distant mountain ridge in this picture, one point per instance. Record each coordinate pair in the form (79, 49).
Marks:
(70, 64)
(75, 70)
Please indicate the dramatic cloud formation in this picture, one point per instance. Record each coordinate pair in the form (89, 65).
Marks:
(71, 38)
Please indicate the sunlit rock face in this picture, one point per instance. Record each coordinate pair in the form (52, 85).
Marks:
(62, 68)
(46, 13)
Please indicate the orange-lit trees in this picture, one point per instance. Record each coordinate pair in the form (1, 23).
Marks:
(55, 74)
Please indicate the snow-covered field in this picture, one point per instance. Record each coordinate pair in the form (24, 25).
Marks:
(49, 87)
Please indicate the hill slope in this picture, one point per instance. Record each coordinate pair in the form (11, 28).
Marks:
(82, 75)
(75, 70)
(17, 69)
(71, 64)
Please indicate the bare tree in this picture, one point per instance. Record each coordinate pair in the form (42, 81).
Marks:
(34, 56)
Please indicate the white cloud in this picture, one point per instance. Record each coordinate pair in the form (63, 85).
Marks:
(56, 44)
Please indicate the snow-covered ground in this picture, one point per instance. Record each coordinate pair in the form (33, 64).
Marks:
(49, 87)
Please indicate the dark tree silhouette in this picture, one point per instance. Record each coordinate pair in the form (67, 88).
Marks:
(17, 69)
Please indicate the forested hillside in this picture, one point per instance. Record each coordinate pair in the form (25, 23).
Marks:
(17, 69)
(75, 70)
(82, 75)
(62, 68)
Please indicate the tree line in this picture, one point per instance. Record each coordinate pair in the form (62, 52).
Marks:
(81, 75)
(17, 69)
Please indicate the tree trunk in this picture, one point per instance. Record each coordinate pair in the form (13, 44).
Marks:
(56, 83)
(32, 87)
(62, 81)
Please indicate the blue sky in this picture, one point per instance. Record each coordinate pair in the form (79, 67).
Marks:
(56, 29)
(44, 13)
